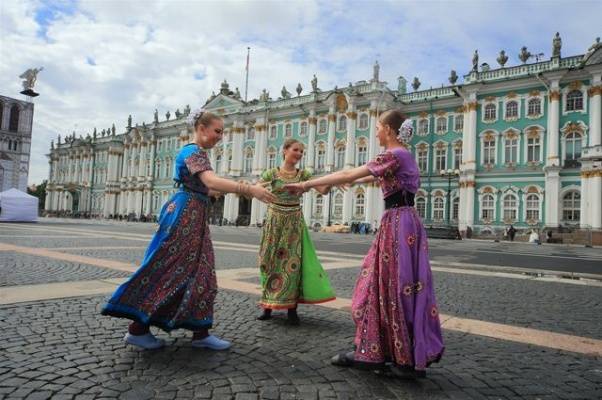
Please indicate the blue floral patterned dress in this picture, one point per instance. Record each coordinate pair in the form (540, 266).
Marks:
(175, 286)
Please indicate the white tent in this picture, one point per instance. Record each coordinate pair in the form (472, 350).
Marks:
(18, 206)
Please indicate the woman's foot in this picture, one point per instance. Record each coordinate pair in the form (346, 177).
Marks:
(343, 359)
(267, 314)
(293, 318)
(147, 341)
(212, 342)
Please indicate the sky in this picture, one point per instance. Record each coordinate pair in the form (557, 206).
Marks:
(106, 59)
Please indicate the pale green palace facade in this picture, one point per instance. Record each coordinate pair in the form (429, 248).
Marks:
(525, 141)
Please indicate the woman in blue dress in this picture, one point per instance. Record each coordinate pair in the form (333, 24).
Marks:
(175, 286)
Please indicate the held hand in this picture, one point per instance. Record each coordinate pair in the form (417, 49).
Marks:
(262, 194)
(295, 188)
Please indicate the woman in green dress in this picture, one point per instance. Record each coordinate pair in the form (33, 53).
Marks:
(289, 268)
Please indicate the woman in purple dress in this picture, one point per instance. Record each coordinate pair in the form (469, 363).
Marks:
(393, 306)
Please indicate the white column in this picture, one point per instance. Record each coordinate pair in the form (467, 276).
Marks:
(595, 111)
(468, 166)
(260, 145)
(234, 207)
(254, 212)
(141, 159)
(348, 206)
(553, 125)
(373, 150)
(307, 207)
(325, 208)
(332, 122)
(237, 143)
(596, 197)
(350, 143)
(227, 201)
(552, 194)
(311, 142)
(586, 205)
(263, 209)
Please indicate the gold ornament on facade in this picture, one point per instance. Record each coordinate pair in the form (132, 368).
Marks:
(573, 127)
(489, 136)
(534, 93)
(532, 133)
(373, 113)
(490, 98)
(352, 115)
(554, 95)
(595, 91)
(575, 85)
(440, 113)
(441, 146)
(511, 95)
(423, 114)
(460, 110)
(532, 189)
(332, 117)
(473, 106)
(487, 189)
(341, 103)
(422, 146)
(458, 145)
(312, 120)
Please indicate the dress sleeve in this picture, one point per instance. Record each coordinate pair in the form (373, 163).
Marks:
(384, 164)
(198, 162)
(305, 175)
(267, 175)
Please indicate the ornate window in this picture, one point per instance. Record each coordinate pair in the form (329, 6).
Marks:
(571, 207)
(322, 126)
(455, 208)
(248, 164)
(441, 125)
(533, 149)
(362, 152)
(303, 129)
(338, 206)
(363, 123)
(459, 123)
(573, 146)
(320, 157)
(13, 122)
(288, 130)
(251, 134)
(511, 149)
(273, 132)
(422, 156)
(302, 161)
(319, 206)
(339, 157)
(421, 206)
(489, 150)
(512, 110)
(438, 208)
(360, 203)
(510, 208)
(271, 157)
(423, 127)
(534, 107)
(490, 112)
(440, 157)
(342, 123)
(457, 155)
(487, 207)
(574, 100)
(532, 207)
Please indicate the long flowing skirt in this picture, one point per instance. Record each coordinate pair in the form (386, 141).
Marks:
(394, 306)
(289, 268)
(175, 287)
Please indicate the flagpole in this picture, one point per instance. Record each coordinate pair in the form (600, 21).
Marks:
(247, 74)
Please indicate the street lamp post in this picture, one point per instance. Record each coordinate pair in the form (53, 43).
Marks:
(449, 174)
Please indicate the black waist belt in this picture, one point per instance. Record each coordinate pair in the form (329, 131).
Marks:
(399, 199)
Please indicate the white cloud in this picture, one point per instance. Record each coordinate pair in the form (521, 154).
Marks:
(146, 54)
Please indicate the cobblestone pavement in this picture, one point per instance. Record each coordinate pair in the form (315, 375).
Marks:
(63, 348)
(550, 306)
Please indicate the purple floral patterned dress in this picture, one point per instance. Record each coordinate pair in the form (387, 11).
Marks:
(394, 306)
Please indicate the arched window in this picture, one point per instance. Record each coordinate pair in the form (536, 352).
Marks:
(302, 161)
(441, 125)
(303, 129)
(340, 157)
(423, 155)
(421, 206)
(273, 132)
(490, 112)
(229, 165)
(363, 123)
(511, 149)
(534, 107)
(323, 126)
(573, 146)
(487, 207)
(13, 122)
(511, 109)
(248, 164)
(251, 134)
(489, 150)
(574, 100)
(342, 123)
(423, 127)
(457, 155)
(362, 153)
(571, 207)
(533, 149)
(510, 207)
(360, 204)
(319, 206)
(438, 208)
(532, 207)
(338, 206)
(441, 158)
(288, 130)
(271, 157)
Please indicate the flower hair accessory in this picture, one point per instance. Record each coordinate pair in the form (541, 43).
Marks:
(194, 116)
(406, 130)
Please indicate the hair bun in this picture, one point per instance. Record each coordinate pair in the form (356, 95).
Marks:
(194, 116)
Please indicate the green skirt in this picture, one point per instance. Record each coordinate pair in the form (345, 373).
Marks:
(290, 270)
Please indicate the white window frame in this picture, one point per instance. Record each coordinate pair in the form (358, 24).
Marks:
(418, 148)
(516, 100)
(419, 125)
(435, 209)
(513, 209)
(541, 106)
(340, 126)
(362, 117)
(484, 108)
(565, 191)
(441, 129)
(325, 130)
(505, 145)
(437, 156)
(456, 118)
(565, 93)
(526, 208)
(495, 151)
(303, 129)
(273, 132)
(456, 157)
(418, 209)
(288, 130)
(359, 208)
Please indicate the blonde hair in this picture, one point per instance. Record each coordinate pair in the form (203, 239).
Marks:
(205, 119)
(289, 142)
